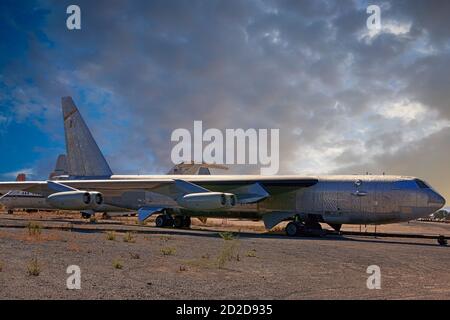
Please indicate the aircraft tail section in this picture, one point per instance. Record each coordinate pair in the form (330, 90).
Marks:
(84, 158)
(61, 168)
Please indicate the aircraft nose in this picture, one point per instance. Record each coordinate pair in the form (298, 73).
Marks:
(436, 200)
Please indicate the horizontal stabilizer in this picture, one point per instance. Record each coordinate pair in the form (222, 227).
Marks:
(145, 212)
(274, 218)
(251, 193)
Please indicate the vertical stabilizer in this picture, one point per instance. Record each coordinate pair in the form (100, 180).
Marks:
(84, 158)
(61, 168)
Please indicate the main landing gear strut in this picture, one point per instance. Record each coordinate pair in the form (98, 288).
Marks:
(165, 220)
(309, 228)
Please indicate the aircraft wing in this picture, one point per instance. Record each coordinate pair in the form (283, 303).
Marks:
(246, 189)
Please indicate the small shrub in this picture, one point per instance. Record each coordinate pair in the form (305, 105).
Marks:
(182, 268)
(227, 253)
(117, 264)
(129, 238)
(227, 235)
(33, 268)
(110, 235)
(34, 229)
(165, 238)
(251, 253)
(1, 266)
(92, 219)
(168, 251)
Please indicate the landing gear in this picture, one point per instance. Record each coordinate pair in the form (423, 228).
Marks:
(182, 222)
(164, 220)
(294, 228)
(85, 215)
(187, 222)
(10, 211)
(308, 229)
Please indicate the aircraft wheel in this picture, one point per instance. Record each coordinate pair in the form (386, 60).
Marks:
(178, 222)
(10, 211)
(85, 215)
(161, 221)
(292, 229)
(187, 222)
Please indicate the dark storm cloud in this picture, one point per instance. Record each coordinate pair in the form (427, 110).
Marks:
(306, 67)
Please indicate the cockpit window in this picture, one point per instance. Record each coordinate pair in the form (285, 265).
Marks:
(422, 184)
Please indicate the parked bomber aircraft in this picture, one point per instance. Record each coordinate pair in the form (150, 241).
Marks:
(335, 200)
(84, 160)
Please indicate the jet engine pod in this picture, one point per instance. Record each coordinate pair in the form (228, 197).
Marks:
(96, 198)
(208, 201)
(75, 200)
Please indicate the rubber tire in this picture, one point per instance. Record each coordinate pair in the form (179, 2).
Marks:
(187, 222)
(178, 222)
(85, 215)
(292, 229)
(161, 221)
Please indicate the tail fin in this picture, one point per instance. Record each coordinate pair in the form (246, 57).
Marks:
(84, 157)
(61, 168)
(21, 177)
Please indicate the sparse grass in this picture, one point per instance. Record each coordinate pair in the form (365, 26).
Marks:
(165, 238)
(117, 264)
(34, 229)
(168, 251)
(128, 237)
(111, 236)
(227, 235)
(251, 253)
(228, 253)
(34, 268)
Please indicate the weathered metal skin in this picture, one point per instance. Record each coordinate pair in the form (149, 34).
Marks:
(333, 199)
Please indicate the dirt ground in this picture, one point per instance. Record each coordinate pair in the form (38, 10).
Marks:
(199, 264)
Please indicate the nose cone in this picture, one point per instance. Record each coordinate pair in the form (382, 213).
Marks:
(435, 200)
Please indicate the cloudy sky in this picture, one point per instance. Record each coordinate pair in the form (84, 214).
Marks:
(346, 99)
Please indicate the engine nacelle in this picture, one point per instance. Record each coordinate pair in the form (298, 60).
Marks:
(75, 200)
(208, 201)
